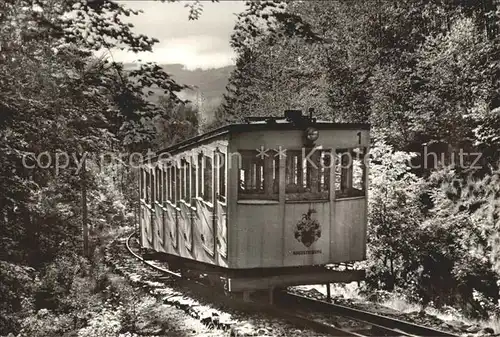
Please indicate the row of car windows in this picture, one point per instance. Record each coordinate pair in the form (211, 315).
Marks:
(307, 176)
(188, 179)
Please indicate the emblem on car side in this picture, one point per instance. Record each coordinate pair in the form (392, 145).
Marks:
(308, 230)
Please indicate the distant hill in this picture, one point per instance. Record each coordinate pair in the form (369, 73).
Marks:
(210, 84)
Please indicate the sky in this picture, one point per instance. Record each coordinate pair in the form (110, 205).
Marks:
(202, 43)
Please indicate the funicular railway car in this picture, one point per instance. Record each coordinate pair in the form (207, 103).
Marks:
(261, 205)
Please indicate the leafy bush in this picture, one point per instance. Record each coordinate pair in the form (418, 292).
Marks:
(57, 282)
(124, 295)
(104, 324)
(460, 232)
(441, 253)
(16, 287)
(45, 324)
(394, 218)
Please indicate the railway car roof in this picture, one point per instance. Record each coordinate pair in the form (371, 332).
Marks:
(257, 126)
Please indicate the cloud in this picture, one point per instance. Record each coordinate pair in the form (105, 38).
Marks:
(192, 52)
(203, 43)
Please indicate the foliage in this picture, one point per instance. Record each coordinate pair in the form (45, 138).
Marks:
(45, 324)
(459, 234)
(394, 217)
(16, 285)
(57, 282)
(444, 253)
(63, 298)
(179, 121)
(418, 71)
(421, 73)
(124, 311)
(487, 136)
(106, 323)
(275, 55)
(455, 74)
(60, 102)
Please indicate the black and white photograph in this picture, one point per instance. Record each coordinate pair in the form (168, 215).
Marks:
(174, 168)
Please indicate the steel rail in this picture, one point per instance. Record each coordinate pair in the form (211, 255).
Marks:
(163, 270)
(291, 316)
(372, 318)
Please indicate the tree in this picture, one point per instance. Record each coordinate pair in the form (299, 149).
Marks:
(270, 41)
(461, 233)
(394, 218)
(57, 101)
(455, 89)
(179, 121)
(379, 66)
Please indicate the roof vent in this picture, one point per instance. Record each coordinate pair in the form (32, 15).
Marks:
(293, 115)
(267, 119)
(296, 117)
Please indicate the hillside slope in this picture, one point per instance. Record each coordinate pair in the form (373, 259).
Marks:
(209, 85)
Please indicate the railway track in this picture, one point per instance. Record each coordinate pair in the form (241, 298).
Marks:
(314, 314)
(372, 318)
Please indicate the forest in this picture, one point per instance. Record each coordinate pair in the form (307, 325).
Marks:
(424, 74)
